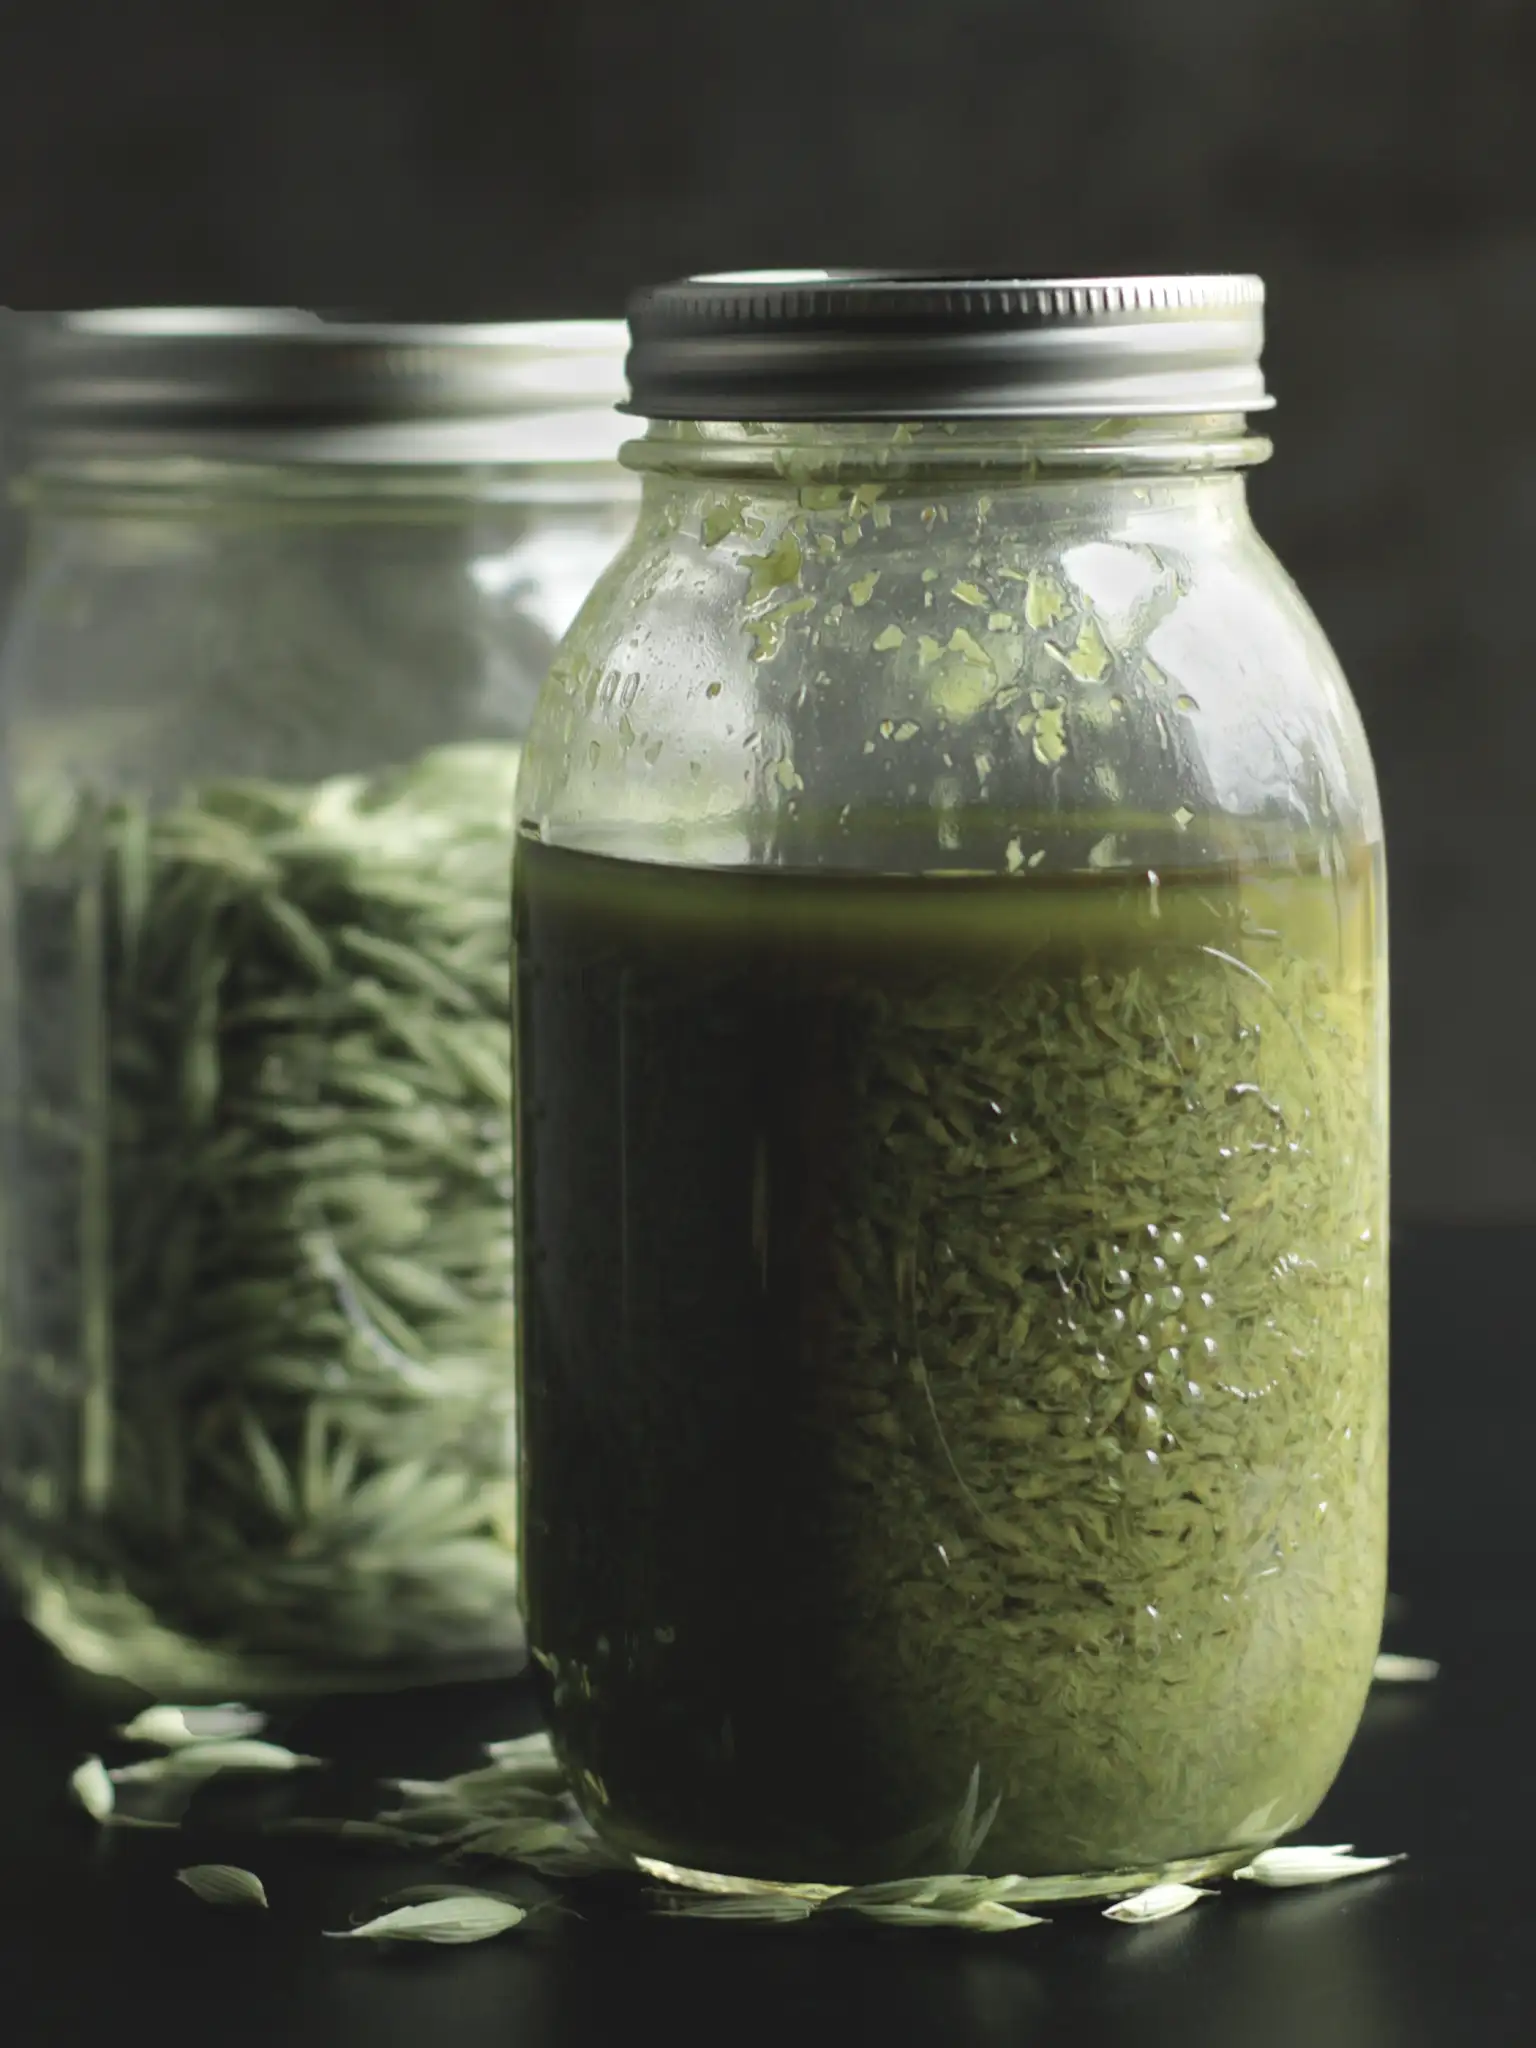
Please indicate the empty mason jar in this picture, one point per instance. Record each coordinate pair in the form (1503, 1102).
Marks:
(291, 586)
(951, 1094)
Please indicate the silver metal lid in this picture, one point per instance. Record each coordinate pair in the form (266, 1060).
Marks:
(829, 345)
(284, 385)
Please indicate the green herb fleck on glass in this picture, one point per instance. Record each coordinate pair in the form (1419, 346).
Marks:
(1044, 601)
(781, 565)
(1090, 657)
(1050, 740)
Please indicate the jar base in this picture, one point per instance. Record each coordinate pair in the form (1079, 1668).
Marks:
(106, 1631)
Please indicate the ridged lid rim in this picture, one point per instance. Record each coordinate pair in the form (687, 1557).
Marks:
(862, 344)
(272, 380)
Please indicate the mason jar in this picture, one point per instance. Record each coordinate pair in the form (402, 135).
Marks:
(290, 588)
(951, 1087)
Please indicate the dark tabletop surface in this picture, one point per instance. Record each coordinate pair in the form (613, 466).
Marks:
(98, 1943)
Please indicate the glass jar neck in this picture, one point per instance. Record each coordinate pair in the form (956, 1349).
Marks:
(1000, 450)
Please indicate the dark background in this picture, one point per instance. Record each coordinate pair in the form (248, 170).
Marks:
(1375, 159)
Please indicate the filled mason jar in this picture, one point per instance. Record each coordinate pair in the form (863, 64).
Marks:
(951, 1094)
(290, 588)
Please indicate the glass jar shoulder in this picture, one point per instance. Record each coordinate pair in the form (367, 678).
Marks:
(1112, 657)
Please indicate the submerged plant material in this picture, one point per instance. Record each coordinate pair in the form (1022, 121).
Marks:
(954, 1354)
(259, 1401)
(223, 1884)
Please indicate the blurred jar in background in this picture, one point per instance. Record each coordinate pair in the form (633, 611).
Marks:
(290, 588)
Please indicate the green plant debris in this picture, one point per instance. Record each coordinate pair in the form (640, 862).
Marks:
(1045, 602)
(780, 566)
(725, 516)
(168, 1727)
(887, 640)
(1393, 1669)
(1054, 1430)
(963, 688)
(453, 1921)
(970, 593)
(718, 1883)
(242, 1758)
(767, 630)
(863, 588)
(269, 1301)
(1296, 1864)
(457, 1810)
(223, 1884)
(1157, 1902)
(970, 648)
(1089, 658)
(987, 1917)
(762, 1908)
(518, 1809)
(1050, 738)
(91, 1787)
(528, 1755)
